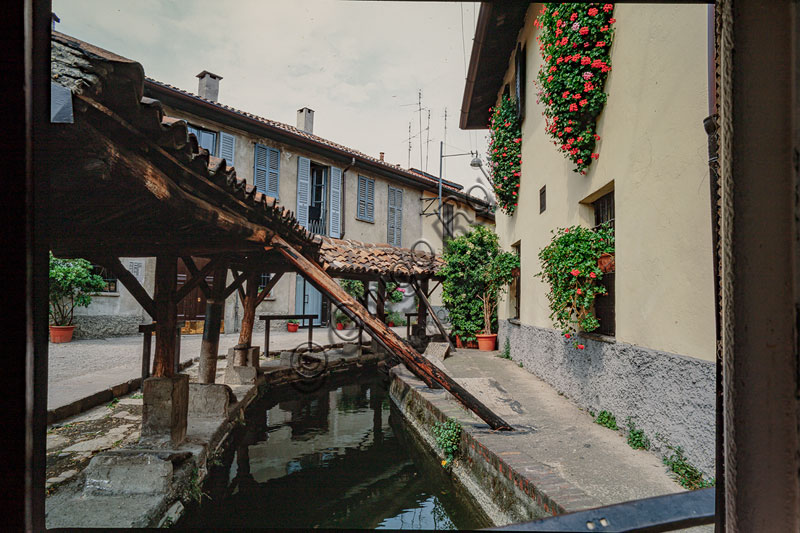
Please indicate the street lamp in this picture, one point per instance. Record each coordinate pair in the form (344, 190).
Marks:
(441, 159)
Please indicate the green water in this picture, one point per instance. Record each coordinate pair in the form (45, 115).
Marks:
(340, 456)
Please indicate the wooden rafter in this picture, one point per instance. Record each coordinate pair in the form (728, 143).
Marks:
(235, 284)
(198, 277)
(192, 267)
(130, 282)
(422, 367)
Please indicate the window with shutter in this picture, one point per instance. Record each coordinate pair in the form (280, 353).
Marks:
(260, 170)
(227, 148)
(395, 213)
(303, 190)
(335, 226)
(274, 173)
(366, 199)
(205, 139)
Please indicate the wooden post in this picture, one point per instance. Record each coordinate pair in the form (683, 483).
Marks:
(166, 308)
(421, 366)
(424, 300)
(209, 349)
(147, 348)
(422, 311)
(248, 317)
(380, 309)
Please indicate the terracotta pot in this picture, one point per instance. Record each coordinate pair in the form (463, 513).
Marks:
(391, 324)
(292, 327)
(606, 263)
(339, 325)
(61, 333)
(487, 343)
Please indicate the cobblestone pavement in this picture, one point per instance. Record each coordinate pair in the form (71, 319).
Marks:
(83, 367)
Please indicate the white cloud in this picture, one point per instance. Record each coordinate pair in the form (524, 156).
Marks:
(355, 63)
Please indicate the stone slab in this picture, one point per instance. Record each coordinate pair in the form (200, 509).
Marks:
(240, 375)
(209, 400)
(350, 349)
(439, 350)
(253, 354)
(165, 408)
(114, 474)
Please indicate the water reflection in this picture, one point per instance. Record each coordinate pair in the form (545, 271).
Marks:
(337, 457)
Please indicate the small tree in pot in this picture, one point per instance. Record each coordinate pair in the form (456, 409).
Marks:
(475, 274)
(71, 285)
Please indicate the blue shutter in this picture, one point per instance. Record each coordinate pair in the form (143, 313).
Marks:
(274, 173)
(361, 209)
(303, 190)
(335, 226)
(370, 211)
(227, 148)
(260, 170)
(398, 217)
(395, 216)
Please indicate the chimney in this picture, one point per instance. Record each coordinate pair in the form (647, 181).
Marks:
(381, 156)
(209, 85)
(305, 120)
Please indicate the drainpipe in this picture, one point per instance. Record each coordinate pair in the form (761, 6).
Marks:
(344, 196)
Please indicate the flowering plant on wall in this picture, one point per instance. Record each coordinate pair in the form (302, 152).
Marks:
(505, 154)
(574, 40)
(569, 266)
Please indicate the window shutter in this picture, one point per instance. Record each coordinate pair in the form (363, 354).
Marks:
(274, 172)
(260, 170)
(303, 190)
(227, 148)
(390, 218)
(398, 216)
(361, 198)
(336, 203)
(370, 209)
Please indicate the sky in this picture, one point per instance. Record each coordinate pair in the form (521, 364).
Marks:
(358, 64)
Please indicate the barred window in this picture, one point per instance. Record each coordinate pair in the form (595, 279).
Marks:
(108, 277)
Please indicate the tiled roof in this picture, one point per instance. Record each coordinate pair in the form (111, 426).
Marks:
(311, 137)
(117, 83)
(344, 256)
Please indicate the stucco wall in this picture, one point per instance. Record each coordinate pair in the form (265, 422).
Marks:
(653, 153)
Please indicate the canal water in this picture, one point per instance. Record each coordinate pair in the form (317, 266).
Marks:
(333, 454)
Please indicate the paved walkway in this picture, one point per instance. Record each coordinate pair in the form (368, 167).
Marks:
(82, 367)
(565, 438)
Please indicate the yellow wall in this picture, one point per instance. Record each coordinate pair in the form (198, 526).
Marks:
(653, 152)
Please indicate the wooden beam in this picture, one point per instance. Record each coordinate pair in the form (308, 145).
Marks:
(435, 318)
(130, 282)
(209, 347)
(265, 291)
(249, 315)
(166, 315)
(422, 367)
(198, 277)
(235, 284)
(380, 303)
(192, 267)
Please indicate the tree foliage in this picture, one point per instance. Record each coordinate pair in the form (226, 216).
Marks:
(476, 272)
(71, 285)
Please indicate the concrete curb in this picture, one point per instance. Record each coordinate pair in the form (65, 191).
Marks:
(93, 400)
(522, 490)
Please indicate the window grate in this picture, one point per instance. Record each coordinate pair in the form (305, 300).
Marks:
(108, 277)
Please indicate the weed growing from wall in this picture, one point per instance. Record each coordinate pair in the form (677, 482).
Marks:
(606, 419)
(686, 474)
(448, 439)
(636, 437)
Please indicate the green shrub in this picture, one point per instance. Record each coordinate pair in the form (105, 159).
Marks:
(636, 437)
(606, 419)
(71, 285)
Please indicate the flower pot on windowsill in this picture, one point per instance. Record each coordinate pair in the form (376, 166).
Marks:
(391, 324)
(59, 334)
(339, 325)
(487, 343)
(292, 327)
(606, 263)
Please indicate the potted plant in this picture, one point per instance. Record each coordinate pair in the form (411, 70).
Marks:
(292, 325)
(573, 265)
(71, 285)
(498, 273)
(341, 319)
(475, 274)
